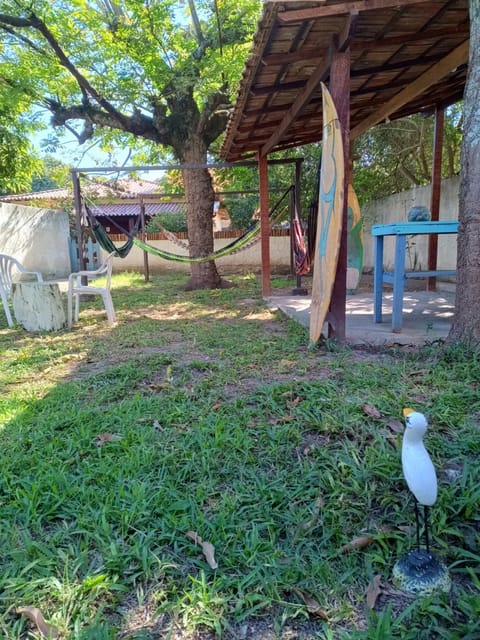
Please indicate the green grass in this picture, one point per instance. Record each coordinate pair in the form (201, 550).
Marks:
(227, 425)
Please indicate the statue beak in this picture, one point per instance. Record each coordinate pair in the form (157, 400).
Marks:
(407, 411)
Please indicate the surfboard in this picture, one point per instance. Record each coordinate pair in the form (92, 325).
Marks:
(354, 241)
(329, 223)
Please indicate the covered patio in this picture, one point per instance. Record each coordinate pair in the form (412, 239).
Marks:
(381, 59)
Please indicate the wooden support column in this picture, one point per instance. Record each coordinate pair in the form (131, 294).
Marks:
(143, 236)
(264, 224)
(435, 194)
(340, 91)
(77, 203)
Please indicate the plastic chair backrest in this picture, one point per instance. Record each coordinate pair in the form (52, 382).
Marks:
(7, 269)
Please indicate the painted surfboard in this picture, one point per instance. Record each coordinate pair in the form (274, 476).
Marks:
(354, 241)
(329, 223)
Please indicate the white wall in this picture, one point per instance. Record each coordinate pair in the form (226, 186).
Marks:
(395, 208)
(38, 238)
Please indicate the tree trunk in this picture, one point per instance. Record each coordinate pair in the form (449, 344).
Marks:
(199, 196)
(466, 324)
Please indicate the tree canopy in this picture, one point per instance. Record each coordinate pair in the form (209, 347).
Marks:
(138, 70)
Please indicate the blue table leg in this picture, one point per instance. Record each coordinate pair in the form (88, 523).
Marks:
(378, 279)
(398, 283)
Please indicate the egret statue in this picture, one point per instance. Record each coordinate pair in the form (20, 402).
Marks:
(418, 468)
(419, 571)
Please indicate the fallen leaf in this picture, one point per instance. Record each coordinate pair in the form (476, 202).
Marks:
(35, 615)
(395, 425)
(285, 419)
(312, 605)
(406, 528)
(357, 543)
(373, 591)
(216, 406)
(371, 411)
(103, 438)
(207, 548)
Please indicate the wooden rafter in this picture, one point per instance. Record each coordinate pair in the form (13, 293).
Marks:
(341, 8)
(319, 74)
(450, 62)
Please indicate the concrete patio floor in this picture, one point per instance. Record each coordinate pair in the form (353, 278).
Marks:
(427, 316)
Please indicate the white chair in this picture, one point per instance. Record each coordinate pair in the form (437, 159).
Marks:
(77, 289)
(11, 270)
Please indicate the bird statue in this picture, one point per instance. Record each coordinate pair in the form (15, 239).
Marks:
(418, 468)
(419, 571)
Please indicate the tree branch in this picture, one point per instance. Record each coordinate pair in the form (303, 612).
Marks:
(36, 23)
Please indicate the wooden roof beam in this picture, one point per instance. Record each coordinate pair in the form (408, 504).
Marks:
(453, 60)
(313, 53)
(406, 39)
(319, 74)
(339, 9)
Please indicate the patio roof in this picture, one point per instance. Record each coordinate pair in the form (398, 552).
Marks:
(406, 56)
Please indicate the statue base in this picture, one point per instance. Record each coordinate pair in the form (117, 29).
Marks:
(421, 573)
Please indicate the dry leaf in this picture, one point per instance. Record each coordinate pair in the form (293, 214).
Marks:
(395, 425)
(357, 543)
(207, 548)
(216, 406)
(103, 438)
(371, 411)
(35, 615)
(373, 591)
(406, 528)
(312, 605)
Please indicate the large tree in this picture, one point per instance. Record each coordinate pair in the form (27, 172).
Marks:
(466, 325)
(142, 69)
(18, 162)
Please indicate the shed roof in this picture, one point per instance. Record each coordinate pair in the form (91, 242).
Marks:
(128, 209)
(406, 56)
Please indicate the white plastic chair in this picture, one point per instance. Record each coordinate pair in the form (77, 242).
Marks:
(11, 270)
(77, 289)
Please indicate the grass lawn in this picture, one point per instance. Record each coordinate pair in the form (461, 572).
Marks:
(202, 418)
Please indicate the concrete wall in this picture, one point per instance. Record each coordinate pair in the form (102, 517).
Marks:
(395, 208)
(38, 238)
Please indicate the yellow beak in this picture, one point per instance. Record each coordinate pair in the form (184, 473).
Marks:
(407, 411)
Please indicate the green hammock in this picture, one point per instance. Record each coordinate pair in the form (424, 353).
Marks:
(230, 248)
(104, 240)
(237, 244)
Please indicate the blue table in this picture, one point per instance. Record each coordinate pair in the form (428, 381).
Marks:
(399, 276)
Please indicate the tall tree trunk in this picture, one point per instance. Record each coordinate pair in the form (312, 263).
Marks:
(466, 324)
(199, 196)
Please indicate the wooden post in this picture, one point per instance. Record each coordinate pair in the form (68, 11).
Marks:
(264, 224)
(340, 91)
(146, 268)
(77, 202)
(435, 194)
